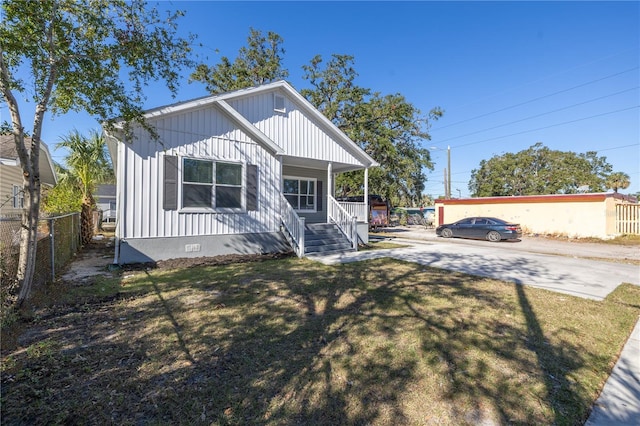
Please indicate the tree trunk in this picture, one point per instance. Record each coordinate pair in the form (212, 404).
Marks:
(86, 219)
(86, 224)
(30, 163)
(29, 232)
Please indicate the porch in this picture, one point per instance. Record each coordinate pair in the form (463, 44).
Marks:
(312, 220)
(343, 230)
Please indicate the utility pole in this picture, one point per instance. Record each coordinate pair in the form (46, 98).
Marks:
(446, 186)
(449, 172)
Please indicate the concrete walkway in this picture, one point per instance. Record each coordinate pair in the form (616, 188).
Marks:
(558, 266)
(619, 402)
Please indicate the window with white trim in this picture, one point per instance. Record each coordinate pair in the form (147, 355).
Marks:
(228, 185)
(301, 193)
(278, 103)
(18, 197)
(211, 184)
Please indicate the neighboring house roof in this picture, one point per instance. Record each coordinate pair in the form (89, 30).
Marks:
(9, 156)
(220, 102)
(105, 191)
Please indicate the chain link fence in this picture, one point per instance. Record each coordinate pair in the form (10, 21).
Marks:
(58, 241)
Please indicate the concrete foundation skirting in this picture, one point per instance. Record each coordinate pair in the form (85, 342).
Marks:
(140, 250)
(363, 232)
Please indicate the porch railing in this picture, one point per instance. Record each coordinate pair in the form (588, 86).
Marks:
(347, 222)
(355, 209)
(293, 226)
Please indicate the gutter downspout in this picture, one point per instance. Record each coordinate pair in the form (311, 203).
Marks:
(119, 182)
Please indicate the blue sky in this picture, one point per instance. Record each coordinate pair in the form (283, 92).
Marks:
(507, 74)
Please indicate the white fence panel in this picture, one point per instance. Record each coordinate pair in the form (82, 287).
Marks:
(628, 219)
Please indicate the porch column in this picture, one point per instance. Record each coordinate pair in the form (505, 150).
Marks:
(366, 194)
(330, 179)
(280, 183)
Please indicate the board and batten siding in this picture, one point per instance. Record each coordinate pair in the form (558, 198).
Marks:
(197, 134)
(296, 133)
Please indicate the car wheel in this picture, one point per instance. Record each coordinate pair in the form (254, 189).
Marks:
(494, 236)
(447, 233)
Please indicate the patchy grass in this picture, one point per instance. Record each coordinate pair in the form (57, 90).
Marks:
(380, 245)
(621, 240)
(291, 341)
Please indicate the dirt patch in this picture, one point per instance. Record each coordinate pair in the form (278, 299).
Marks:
(97, 260)
(190, 262)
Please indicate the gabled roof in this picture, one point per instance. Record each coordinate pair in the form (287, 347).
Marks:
(220, 102)
(9, 156)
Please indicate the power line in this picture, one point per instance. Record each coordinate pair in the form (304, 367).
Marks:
(617, 147)
(540, 115)
(634, 50)
(536, 99)
(548, 127)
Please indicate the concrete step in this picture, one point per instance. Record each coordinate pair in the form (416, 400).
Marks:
(328, 248)
(321, 238)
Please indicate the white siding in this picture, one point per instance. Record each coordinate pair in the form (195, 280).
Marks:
(206, 132)
(201, 134)
(293, 131)
(9, 176)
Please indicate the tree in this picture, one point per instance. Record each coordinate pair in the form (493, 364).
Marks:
(258, 63)
(77, 53)
(89, 165)
(539, 170)
(65, 197)
(618, 180)
(334, 92)
(387, 127)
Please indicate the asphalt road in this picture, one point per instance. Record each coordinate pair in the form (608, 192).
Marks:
(581, 269)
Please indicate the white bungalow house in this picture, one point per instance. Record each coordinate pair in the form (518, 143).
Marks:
(250, 171)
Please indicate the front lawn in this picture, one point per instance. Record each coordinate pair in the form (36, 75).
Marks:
(289, 341)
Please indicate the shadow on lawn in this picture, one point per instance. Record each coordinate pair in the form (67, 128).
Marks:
(320, 347)
(556, 363)
(298, 343)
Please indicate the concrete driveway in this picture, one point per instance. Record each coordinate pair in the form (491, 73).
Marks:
(566, 271)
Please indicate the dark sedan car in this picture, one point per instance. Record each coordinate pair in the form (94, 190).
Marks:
(489, 228)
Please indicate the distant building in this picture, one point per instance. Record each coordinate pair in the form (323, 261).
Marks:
(599, 215)
(105, 197)
(11, 193)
